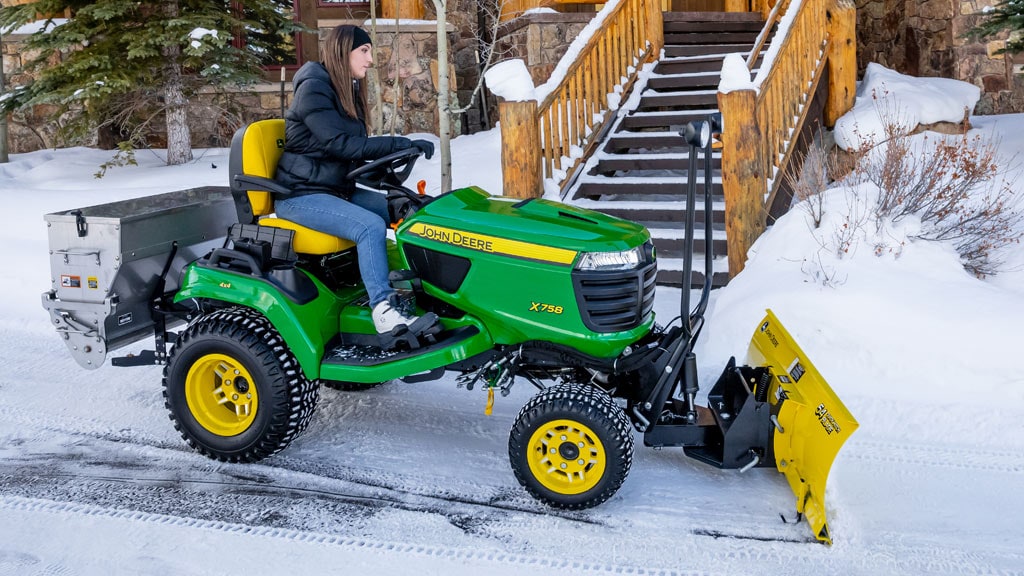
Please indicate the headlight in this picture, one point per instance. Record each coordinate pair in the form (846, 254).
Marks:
(625, 260)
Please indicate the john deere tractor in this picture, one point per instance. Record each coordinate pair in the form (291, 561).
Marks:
(250, 314)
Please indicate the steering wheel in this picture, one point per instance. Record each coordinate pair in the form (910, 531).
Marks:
(386, 172)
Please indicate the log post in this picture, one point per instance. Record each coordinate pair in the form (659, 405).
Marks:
(407, 9)
(743, 178)
(521, 170)
(737, 5)
(655, 27)
(842, 59)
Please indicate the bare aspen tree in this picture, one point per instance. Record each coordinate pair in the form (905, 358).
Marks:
(378, 94)
(444, 104)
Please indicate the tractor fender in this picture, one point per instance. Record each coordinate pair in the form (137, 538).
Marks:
(304, 324)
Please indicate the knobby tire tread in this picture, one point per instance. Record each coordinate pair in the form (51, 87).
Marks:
(588, 402)
(253, 331)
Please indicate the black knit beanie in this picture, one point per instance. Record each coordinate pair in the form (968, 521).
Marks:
(359, 37)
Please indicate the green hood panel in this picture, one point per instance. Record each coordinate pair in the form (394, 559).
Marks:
(510, 264)
(533, 221)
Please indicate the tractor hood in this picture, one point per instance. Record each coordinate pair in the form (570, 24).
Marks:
(565, 230)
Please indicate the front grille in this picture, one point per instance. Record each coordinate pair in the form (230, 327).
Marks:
(616, 300)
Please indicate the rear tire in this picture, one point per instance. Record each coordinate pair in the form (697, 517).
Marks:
(233, 389)
(571, 446)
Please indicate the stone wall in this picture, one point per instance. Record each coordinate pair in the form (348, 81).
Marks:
(925, 38)
(540, 40)
(406, 73)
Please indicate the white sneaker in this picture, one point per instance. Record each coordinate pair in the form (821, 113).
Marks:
(387, 316)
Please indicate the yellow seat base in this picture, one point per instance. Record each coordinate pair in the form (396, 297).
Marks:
(307, 240)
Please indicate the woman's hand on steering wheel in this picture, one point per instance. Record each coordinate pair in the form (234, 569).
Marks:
(393, 169)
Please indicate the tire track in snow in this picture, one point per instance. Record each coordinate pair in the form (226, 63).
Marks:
(383, 547)
(94, 462)
(967, 458)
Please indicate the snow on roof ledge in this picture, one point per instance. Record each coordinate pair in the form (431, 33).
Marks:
(886, 97)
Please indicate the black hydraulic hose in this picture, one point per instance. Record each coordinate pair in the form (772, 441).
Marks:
(691, 208)
(709, 245)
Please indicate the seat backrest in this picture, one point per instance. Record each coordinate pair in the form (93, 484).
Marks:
(255, 150)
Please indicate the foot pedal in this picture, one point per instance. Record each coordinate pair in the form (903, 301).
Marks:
(426, 327)
(399, 338)
(423, 331)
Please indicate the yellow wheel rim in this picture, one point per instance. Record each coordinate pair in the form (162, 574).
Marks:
(221, 395)
(566, 457)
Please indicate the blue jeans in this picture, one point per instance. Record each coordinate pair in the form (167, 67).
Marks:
(363, 219)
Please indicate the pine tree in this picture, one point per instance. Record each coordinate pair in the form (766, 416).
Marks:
(125, 64)
(1006, 15)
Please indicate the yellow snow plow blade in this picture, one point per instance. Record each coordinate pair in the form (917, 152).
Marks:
(812, 422)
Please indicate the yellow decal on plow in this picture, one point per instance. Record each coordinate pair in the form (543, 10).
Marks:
(812, 425)
(493, 244)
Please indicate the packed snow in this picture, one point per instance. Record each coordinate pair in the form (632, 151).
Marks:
(414, 478)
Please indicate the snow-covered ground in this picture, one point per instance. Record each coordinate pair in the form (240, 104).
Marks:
(414, 478)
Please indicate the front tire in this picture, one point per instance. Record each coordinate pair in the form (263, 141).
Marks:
(571, 446)
(233, 389)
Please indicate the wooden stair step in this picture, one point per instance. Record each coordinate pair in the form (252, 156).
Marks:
(670, 239)
(701, 50)
(677, 26)
(694, 64)
(624, 142)
(674, 276)
(711, 38)
(659, 216)
(598, 187)
(673, 248)
(709, 79)
(707, 63)
(665, 119)
(699, 16)
(677, 163)
(682, 99)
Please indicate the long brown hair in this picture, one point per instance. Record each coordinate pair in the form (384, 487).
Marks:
(335, 57)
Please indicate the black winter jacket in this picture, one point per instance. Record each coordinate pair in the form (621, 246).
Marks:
(322, 143)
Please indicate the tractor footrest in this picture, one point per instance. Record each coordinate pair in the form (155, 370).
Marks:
(362, 349)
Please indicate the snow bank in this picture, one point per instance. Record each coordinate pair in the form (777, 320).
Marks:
(903, 102)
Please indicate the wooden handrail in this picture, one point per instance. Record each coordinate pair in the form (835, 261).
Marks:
(773, 18)
(761, 123)
(788, 85)
(572, 113)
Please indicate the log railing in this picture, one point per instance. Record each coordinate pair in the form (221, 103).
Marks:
(550, 139)
(760, 123)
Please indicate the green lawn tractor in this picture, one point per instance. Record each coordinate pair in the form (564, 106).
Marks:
(250, 314)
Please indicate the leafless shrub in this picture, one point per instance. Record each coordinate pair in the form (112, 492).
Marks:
(822, 273)
(811, 180)
(955, 187)
(854, 218)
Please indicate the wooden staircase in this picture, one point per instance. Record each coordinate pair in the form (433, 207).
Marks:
(640, 170)
(627, 158)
